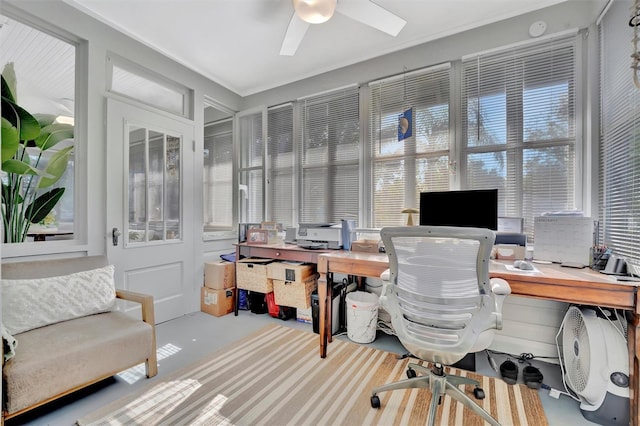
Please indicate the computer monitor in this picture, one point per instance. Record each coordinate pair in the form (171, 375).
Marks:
(476, 208)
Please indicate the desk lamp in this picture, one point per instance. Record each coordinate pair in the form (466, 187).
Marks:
(410, 212)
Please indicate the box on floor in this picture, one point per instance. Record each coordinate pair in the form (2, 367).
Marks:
(217, 302)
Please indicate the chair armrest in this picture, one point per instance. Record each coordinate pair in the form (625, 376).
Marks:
(144, 299)
(386, 275)
(500, 287)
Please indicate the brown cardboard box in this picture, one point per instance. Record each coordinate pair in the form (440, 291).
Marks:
(290, 271)
(220, 275)
(251, 274)
(366, 246)
(217, 302)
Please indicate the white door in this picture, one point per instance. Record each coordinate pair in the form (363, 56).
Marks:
(150, 192)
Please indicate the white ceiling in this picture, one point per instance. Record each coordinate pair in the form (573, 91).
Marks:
(236, 43)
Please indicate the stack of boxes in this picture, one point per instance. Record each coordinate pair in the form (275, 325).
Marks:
(217, 294)
(291, 282)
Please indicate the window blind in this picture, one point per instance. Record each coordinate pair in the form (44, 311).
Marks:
(519, 127)
(280, 164)
(329, 153)
(218, 176)
(404, 165)
(620, 136)
(251, 168)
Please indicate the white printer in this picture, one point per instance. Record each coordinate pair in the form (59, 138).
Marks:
(319, 235)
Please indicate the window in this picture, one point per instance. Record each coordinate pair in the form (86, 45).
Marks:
(620, 137)
(251, 167)
(404, 165)
(519, 128)
(329, 157)
(218, 175)
(45, 69)
(281, 165)
(142, 85)
(154, 186)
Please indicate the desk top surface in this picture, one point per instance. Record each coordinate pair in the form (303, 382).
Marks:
(498, 268)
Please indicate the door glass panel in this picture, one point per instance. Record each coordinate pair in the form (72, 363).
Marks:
(137, 185)
(154, 186)
(173, 188)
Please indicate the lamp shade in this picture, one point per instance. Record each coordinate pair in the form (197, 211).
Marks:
(315, 11)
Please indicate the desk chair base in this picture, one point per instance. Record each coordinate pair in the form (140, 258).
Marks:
(439, 384)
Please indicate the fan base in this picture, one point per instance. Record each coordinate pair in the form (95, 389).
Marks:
(613, 411)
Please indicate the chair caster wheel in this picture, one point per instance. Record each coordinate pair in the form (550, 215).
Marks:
(478, 393)
(411, 373)
(375, 401)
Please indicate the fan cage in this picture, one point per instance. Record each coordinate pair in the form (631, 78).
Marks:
(576, 354)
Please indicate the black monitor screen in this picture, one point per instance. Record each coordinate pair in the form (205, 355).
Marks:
(476, 208)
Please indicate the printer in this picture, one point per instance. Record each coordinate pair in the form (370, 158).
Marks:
(319, 236)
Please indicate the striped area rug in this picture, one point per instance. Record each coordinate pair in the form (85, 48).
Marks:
(276, 377)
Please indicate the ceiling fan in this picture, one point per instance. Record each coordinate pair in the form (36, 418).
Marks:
(307, 12)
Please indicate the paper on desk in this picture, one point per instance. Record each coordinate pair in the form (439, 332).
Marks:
(524, 271)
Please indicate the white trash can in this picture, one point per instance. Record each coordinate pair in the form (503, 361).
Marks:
(362, 316)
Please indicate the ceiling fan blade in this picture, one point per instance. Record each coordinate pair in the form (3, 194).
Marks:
(295, 33)
(373, 15)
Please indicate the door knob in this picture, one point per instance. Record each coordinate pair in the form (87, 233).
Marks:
(115, 233)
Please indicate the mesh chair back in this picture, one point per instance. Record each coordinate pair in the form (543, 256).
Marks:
(439, 296)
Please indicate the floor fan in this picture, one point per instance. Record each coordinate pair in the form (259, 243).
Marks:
(595, 363)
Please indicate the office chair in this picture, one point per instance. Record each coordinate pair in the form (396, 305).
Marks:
(442, 305)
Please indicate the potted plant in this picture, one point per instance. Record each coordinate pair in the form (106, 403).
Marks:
(28, 171)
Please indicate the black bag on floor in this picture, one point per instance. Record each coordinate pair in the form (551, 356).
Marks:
(257, 303)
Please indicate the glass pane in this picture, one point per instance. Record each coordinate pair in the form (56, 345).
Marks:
(148, 91)
(432, 128)
(251, 200)
(41, 91)
(218, 176)
(251, 140)
(156, 185)
(173, 188)
(491, 116)
(546, 112)
(315, 195)
(432, 174)
(137, 185)
(388, 198)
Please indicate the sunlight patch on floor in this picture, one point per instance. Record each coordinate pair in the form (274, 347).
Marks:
(138, 372)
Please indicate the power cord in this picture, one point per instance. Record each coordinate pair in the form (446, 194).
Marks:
(523, 357)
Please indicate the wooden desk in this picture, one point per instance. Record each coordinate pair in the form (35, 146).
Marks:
(281, 251)
(553, 282)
